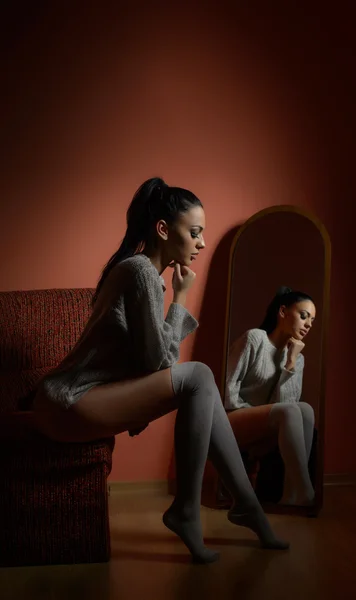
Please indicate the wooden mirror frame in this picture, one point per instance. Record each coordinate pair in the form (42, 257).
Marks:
(315, 509)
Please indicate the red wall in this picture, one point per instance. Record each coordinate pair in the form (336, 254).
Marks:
(248, 109)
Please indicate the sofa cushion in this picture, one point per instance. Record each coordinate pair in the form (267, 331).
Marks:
(18, 388)
(39, 327)
(53, 502)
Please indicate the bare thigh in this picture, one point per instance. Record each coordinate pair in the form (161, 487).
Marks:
(108, 409)
(252, 428)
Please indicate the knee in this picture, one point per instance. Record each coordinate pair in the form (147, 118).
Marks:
(195, 376)
(286, 412)
(202, 374)
(307, 412)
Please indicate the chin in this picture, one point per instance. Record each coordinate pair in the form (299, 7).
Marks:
(186, 262)
(179, 261)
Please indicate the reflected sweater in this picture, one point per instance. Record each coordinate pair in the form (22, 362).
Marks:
(126, 336)
(256, 373)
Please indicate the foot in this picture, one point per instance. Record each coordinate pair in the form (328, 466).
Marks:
(287, 500)
(294, 500)
(289, 495)
(257, 521)
(189, 531)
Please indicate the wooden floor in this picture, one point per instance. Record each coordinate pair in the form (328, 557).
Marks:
(149, 562)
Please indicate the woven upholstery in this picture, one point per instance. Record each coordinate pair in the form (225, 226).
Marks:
(53, 503)
(53, 497)
(16, 388)
(37, 330)
(39, 327)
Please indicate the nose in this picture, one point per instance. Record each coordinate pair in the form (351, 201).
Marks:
(201, 242)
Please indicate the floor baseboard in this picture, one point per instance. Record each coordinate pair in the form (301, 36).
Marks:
(152, 488)
(164, 487)
(340, 479)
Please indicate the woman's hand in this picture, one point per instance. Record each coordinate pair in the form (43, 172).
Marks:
(182, 280)
(295, 347)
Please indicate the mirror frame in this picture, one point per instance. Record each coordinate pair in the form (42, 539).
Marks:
(319, 484)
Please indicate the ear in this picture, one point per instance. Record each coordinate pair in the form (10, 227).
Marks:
(282, 311)
(162, 229)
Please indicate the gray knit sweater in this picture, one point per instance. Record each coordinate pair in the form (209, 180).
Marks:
(256, 373)
(126, 335)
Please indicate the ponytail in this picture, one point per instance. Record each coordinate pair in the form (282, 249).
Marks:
(154, 200)
(127, 248)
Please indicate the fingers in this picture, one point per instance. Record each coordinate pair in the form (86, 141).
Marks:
(186, 270)
(295, 346)
(178, 272)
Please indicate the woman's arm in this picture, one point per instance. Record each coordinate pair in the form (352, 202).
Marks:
(156, 340)
(241, 356)
(289, 386)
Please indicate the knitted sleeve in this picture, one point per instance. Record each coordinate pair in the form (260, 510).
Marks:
(290, 383)
(242, 354)
(156, 340)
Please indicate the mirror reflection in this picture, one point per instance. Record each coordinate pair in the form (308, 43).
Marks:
(274, 361)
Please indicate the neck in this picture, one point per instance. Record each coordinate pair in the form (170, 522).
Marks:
(157, 260)
(279, 339)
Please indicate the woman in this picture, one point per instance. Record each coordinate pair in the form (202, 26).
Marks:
(264, 384)
(123, 372)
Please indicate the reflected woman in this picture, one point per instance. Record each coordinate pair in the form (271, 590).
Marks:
(264, 384)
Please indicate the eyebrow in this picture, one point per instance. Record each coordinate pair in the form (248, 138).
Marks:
(308, 313)
(197, 227)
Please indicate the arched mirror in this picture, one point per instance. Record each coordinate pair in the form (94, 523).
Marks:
(279, 246)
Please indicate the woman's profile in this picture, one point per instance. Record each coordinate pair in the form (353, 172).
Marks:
(124, 372)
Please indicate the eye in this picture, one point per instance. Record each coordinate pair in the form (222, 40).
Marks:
(194, 234)
(304, 315)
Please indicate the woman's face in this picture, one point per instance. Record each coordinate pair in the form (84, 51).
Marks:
(184, 239)
(297, 320)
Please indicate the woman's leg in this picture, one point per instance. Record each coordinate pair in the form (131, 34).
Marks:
(253, 434)
(201, 422)
(289, 492)
(251, 425)
(111, 409)
(202, 428)
(252, 428)
(107, 409)
(308, 425)
(287, 420)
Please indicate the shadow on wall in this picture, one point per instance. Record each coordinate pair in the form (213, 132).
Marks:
(209, 339)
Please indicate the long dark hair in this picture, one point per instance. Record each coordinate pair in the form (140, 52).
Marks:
(285, 296)
(154, 200)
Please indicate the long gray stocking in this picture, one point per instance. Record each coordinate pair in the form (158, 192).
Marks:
(288, 421)
(308, 425)
(201, 429)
